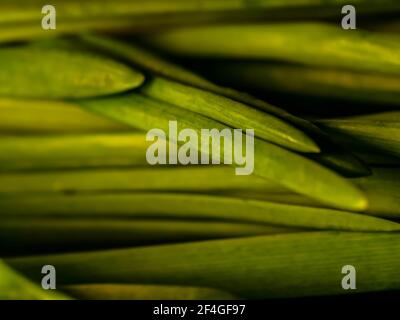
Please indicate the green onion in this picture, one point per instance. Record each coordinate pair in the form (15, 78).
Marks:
(26, 235)
(375, 132)
(24, 116)
(311, 81)
(314, 44)
(189, 206)
(230, 112)
(184, 179)
(72, 151)
(294, 265)
(50, 73)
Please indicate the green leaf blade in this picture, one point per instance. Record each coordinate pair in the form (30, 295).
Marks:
(276, 266)
(193, 206)
(30, 72)
(292, 42)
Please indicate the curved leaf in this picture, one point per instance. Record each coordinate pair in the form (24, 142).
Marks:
(189, 206)
(50, 73)
(295, 265)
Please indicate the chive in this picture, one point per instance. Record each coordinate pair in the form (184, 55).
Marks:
(34, 235)
(311, 81)
(189, 206)
(294, 265)
(72, 151)
(371, 133)
(184, 179)
(23, 116)
(230, 112)
(49, 73)
(14, 286)
(272, 162)
(144, 292)
(315, 44)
